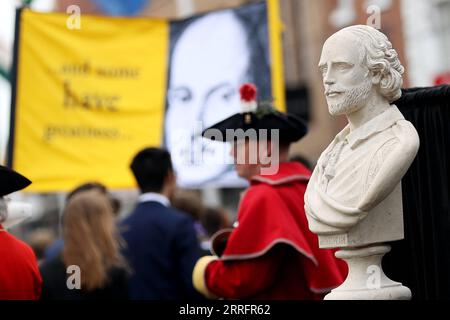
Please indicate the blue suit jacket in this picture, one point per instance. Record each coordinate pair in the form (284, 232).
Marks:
(162, 249)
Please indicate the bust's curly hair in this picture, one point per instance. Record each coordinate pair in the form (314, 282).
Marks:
(381, 59)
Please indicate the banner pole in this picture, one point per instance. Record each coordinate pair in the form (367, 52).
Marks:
(276, 53)
(13, 79)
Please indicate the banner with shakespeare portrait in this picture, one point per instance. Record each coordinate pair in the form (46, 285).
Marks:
(211, 55)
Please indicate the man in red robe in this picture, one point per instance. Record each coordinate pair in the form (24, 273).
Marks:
(271, 253)
(19, 274)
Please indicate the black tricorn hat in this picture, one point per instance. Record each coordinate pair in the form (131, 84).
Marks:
(11, 181)
(257, 116)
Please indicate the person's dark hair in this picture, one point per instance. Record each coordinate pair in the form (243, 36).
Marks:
(115, 203)
(150, 167)
(86, 187)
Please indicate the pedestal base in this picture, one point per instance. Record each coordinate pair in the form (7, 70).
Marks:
(366, 279)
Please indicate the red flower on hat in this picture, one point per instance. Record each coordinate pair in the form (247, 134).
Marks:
(248, 92)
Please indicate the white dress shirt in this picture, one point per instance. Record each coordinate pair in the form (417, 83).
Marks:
(153, 196)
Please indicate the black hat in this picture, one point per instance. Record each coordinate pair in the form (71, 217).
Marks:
(258, 116)
(11, 181)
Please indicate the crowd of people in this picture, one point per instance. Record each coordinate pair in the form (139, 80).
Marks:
(161, 250)
(112, 255)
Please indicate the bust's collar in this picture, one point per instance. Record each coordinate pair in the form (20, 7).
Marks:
(377, 124)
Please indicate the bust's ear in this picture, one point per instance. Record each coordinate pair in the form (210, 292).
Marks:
(376, 77)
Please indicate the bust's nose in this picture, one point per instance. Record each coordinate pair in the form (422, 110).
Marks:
(328, 78)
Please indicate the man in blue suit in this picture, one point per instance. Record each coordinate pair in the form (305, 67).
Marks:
(162, 246)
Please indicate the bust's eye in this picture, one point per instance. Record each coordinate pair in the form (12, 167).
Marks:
(343, 66)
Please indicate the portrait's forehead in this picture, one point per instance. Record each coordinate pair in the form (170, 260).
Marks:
(213, 46)
(341, 47)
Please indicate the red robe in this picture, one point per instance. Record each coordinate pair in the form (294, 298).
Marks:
(19, 274)
(272, 254)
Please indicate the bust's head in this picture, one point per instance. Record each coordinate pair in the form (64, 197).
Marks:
(357, 63)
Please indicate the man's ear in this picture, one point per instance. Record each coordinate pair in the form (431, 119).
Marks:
(171, 177)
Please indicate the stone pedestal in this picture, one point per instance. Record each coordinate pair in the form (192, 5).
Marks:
(366, 279)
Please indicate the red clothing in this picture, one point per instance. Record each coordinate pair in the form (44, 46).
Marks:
(19, 274)
(272, 254)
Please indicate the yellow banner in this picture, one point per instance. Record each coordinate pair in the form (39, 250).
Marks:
(87, 98)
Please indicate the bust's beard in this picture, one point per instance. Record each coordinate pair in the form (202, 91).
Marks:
(352, 100)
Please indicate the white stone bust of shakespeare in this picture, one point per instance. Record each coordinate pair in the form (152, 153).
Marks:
(354, 195)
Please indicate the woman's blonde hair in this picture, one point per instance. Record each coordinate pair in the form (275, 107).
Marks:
(91, 239)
